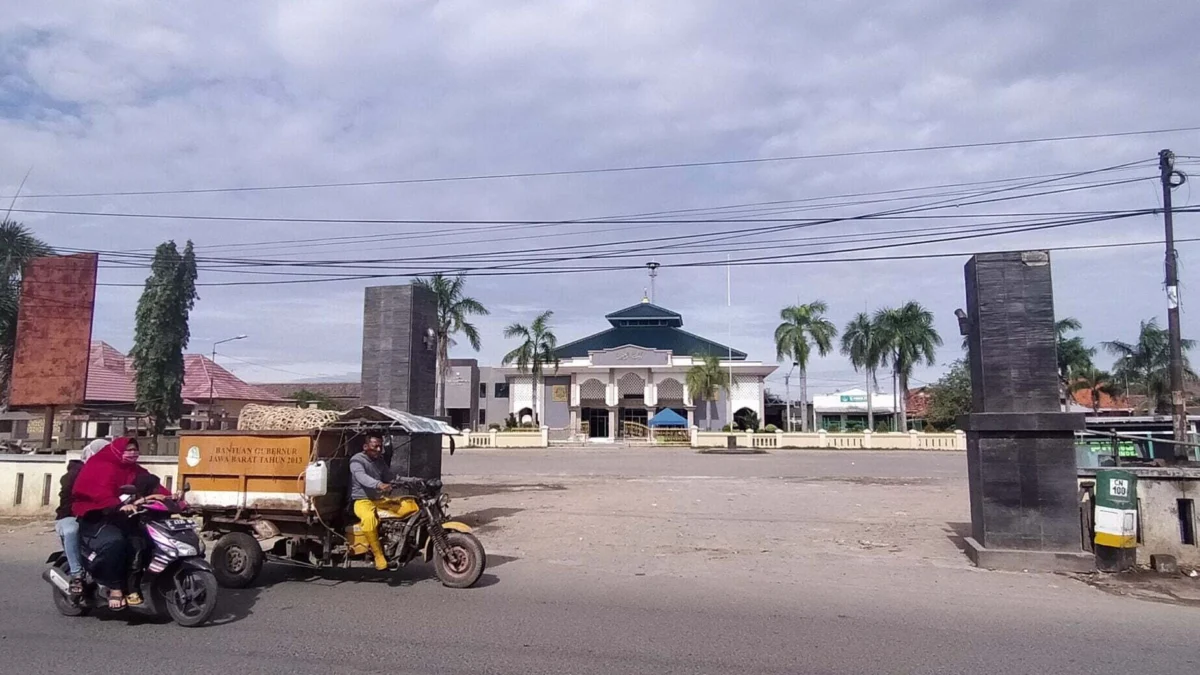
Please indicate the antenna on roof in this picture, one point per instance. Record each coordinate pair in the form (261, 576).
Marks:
(645, 298)
(653, 267)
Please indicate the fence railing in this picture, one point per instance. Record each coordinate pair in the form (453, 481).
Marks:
(913, 440)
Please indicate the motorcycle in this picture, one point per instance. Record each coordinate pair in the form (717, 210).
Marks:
(412, 523)
(176, 581)
(418, 525)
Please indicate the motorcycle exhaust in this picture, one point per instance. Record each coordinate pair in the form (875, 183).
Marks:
(56, 578)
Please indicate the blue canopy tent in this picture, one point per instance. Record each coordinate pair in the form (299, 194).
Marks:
(668, 418)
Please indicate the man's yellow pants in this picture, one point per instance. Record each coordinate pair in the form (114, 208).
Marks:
(364, 509)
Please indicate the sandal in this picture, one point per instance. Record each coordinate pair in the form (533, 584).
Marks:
(133, 599)
(76, 587)
(116, 601)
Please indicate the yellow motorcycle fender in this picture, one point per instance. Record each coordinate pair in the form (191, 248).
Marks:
(453, 525)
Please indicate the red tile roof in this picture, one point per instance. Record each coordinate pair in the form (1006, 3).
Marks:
(1084, 398)
(111, 379)
(110, 375)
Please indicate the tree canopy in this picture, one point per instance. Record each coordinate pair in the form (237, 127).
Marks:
(161, 333)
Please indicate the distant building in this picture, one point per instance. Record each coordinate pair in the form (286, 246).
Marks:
(847, 410)
(609, 384)
(212, 398)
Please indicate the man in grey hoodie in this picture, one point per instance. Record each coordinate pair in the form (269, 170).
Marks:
(370, 480)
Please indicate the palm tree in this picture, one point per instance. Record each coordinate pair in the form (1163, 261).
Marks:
(804, 327)
(860, 342)
(1074, 357)
(1146, 363)
(907, 338)
(535, 353)
(1095, 382)
(17, 247)
(705, 380)
(452, 310)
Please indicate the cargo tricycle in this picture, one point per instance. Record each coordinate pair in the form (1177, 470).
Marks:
(283, 496)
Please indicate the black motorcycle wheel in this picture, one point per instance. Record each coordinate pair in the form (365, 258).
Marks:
(237, 558)
(463, 563)
(190, 597)
(61, 602)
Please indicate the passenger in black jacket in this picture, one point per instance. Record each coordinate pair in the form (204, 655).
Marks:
(65, 524)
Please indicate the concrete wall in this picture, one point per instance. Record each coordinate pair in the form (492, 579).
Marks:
(721, 417)
(398, 367)
(557, 414)
(38, 479)
(495, 410)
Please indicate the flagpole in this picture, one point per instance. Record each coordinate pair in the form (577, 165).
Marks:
(729, 340)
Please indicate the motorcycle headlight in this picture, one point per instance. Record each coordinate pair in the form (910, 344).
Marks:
(182, 549)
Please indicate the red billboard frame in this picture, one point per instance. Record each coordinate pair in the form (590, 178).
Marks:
(54, 331)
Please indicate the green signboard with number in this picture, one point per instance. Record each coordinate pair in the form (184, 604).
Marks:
(1116, 509)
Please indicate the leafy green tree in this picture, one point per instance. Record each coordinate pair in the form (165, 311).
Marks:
(705, 380)
(161, 334)
(535, 353)
(908, 338)
(804, 327)
(861, 341)
(1145, 364)
(304, 398)
(950, 397)
(17, 247)
(1074, 357)
(453, 308)
(1097, 383)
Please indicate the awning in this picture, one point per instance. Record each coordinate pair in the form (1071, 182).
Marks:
(372, 415)
(668, 418)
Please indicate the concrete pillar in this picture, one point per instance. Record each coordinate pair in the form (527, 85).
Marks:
(691, 417)
(612, 424)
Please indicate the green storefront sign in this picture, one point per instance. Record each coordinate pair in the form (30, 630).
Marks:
(853, 398)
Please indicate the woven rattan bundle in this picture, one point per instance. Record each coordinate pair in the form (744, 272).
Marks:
(282, 418)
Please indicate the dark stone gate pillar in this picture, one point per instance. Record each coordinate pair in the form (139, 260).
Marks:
(1020, 446)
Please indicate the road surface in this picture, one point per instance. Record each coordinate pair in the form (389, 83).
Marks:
(605, 593)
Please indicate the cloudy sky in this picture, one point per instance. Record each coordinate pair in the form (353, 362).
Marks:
(106, 97)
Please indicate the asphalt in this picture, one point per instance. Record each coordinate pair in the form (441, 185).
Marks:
(541, 614)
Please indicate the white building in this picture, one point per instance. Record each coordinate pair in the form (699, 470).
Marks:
(846, 410)
(615, 380)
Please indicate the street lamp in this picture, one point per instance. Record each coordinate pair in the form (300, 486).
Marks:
(211, 382)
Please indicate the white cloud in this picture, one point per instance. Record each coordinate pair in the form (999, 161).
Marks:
(141, 95)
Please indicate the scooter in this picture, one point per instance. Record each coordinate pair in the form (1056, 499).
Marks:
(176, 581)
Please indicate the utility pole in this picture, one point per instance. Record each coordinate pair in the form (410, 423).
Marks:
(1172, 179)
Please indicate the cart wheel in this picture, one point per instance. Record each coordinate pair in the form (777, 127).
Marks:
(237, 558)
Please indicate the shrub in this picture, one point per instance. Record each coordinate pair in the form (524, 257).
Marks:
(769, 429)
(493, 427)
(727, 428)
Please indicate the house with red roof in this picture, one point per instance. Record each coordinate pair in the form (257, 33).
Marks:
(213, 397)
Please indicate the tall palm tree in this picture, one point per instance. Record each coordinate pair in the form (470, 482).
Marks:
(861, 342)
(535, 353)
(705, 380)
(1146, 363)
(17, 247)
(452, 310)
(907, 338)
(1096, 382)
(1074, 357)
(804, 327)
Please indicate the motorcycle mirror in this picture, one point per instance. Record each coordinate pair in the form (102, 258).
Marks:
(127, 490)
(451, 446)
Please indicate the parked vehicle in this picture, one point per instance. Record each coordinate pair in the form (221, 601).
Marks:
(176, 581)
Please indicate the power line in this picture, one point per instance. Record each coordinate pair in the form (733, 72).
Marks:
(618, 169)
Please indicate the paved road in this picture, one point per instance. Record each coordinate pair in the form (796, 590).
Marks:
(541, 610)
(530, 620)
